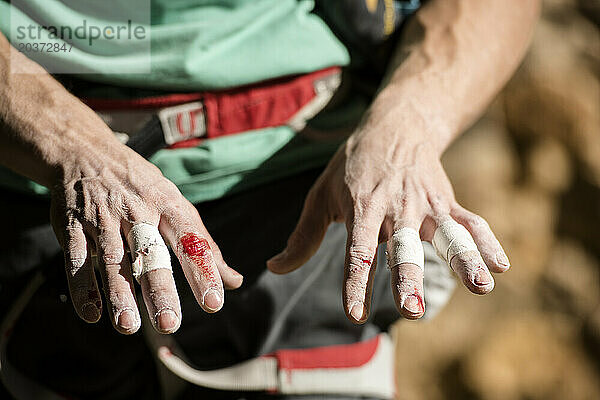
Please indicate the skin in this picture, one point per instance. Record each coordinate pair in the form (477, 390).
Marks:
(99, 190)
(456, 56)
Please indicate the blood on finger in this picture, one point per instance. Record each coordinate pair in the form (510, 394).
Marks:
(198, 250)
(419, 300)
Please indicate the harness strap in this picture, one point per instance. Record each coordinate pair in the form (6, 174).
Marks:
(358, 369)
(183, 120)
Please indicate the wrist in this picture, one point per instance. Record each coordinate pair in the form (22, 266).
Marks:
(47, 136)
(404, 119)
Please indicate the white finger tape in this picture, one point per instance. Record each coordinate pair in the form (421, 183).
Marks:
(405, 247)
(451, 239)
(148, 250)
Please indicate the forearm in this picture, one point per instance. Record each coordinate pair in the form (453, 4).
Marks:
(454, 57)
(43, 128)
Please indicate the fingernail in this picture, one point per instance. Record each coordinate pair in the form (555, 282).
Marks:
(482, 278)
(212, 300)
(126, 319)
(357, 311)
(167, 320)
(90, 312)
(502, 259)
(413, 304)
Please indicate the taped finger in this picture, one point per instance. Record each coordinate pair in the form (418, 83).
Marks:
(148, 250)
(490, 248)
(405, 247)
(151, 267)
(454, 244)
(406, 261)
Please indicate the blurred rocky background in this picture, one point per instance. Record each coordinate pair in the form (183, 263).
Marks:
(531, 167)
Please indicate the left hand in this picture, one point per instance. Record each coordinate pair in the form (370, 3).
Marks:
(379, 181)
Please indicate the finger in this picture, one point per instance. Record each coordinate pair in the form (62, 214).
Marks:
(197, 258)
(151, 267)
(361, 249)
(115, 270)
(306, 237)
(489, 247)
(455, 245)
(200, 258)
(161, 299)
(192, 245)
(406, 261)
(230, 277)
(80, 274)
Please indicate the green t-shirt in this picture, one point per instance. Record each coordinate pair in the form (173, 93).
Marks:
(198, 45)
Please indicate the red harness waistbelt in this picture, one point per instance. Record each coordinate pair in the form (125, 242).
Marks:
(186, 118)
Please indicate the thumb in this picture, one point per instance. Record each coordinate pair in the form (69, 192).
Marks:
(306, 237)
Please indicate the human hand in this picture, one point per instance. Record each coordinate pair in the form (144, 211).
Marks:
(107, 192)
(102, 192)
(378, 184)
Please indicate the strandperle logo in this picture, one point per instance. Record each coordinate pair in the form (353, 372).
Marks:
(91, 32)
(81, 36)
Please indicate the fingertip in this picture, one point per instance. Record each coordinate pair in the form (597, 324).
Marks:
(502, 262)
(230, 277)
(127, 322)
(407, 288)
(413, 307)
(481, 282)
(235, 282)
(212, 301)
(280, 264)
(167, 321)
(90, 313)
(357, 313)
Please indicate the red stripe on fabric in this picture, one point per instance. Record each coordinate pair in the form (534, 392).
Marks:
(186, 143)
(141, 103)
(168, 100)
(340, 356)
(262, 106)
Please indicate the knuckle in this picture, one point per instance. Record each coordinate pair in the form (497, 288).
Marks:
(360, 258)
(362, 200)
(112, 256)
